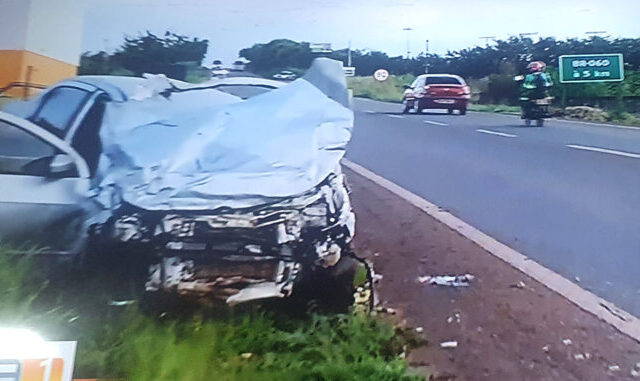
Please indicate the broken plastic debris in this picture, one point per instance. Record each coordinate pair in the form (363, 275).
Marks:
(567, 341)
(578, 356)
(121, 303)
(449, 344)
(545, 348)
(419, 329)
(447, 280)
(577, 279)
(614, 368)
(73, 319)
(246, 355)
(635, 373)
(519, 285)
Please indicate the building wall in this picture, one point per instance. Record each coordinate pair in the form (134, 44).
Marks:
(40, 40)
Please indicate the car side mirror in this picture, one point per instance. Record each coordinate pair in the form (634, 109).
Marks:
(61, 163)
(407, 87)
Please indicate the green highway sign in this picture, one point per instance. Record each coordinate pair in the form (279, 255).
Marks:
(591, 68)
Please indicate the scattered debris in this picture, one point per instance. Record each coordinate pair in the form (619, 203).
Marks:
(578, 356)
(577, 279)
(246, 355)
(447, 280)
(376, 277)
(449, 344)
(545, 349)
(419, 329)
(635, 373)
(614, 368)
(121, 303)
(73, 319)
(567, 341)
(519, 285)
(455, 317)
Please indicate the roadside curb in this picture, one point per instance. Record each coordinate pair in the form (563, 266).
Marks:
(606, 311)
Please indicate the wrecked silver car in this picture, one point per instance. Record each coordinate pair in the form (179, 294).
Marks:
(237, 196)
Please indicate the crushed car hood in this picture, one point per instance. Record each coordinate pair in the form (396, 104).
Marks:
(202, 149)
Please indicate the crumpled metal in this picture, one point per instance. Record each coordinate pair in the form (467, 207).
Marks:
(202, 149)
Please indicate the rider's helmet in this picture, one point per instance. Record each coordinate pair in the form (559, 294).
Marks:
(536, 66)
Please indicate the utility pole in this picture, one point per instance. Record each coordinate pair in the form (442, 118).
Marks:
(426, 56)
(487, 38)
(408, 30)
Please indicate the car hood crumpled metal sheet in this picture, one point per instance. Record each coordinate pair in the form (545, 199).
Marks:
(205, 149)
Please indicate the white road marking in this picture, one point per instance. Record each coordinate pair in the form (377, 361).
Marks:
(369, 112)
(395, 116)
(605, 150)
(497, 133)
(436, 123)
(601, 308)
(597, 124)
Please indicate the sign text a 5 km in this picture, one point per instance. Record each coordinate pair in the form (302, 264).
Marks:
(591, 68)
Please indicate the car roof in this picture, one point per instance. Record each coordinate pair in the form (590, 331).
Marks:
(121, 88)
(441, 75)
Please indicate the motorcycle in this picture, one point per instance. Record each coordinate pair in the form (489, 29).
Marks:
(536, 109)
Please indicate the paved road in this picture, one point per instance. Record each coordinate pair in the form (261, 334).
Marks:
(566, 195)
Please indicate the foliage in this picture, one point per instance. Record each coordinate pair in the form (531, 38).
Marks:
(171, 54)
(127, 343)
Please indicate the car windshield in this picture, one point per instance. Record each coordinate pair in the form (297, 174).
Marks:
(442, 80)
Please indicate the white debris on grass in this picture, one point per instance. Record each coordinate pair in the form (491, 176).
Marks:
(545, 349)
(447, 280)
(578, 356)
(635, 373)
(419, 329)
(121, 303)
(614, 368)
(455, 317)
(567, 341)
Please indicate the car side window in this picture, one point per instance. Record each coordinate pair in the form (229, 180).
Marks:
(22, 153)
(58, 109)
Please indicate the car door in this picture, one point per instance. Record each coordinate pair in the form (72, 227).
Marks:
(44, 186)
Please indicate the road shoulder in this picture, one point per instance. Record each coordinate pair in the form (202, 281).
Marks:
(507, 325)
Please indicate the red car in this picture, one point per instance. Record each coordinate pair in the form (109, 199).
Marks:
(437, 91)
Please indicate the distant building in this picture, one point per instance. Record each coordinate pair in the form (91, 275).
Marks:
(40, 41)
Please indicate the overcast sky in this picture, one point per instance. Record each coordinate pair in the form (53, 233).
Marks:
(368, 24)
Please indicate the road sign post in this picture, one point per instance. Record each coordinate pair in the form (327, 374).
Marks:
(582, 68)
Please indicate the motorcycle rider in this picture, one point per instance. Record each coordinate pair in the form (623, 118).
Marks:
(536, 86)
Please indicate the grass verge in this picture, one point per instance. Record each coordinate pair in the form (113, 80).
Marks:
(389, 91)
(127, 343)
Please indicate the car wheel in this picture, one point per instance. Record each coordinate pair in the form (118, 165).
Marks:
(463, 111)
(527, 122)
(450, 111)
(540, 122)
(406, 108)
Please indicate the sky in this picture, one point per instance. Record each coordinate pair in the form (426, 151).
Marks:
(367, 24)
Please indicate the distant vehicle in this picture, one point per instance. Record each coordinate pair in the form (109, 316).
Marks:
(285, 75)
(219, 73)
(238, 65)
(437, 91)
(217, 65)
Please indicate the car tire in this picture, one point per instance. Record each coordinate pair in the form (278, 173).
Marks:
(463, 111)
(406, 108)
(539, 122)
(450, 111)
(527, 122)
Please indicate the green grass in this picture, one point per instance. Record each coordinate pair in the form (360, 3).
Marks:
(390, 90)
(495, 108)
(251, 344)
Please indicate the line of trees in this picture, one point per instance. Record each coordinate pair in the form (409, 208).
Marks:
(505, 56)
(171, 54)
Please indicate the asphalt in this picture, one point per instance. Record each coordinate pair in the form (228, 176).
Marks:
(573, 210)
